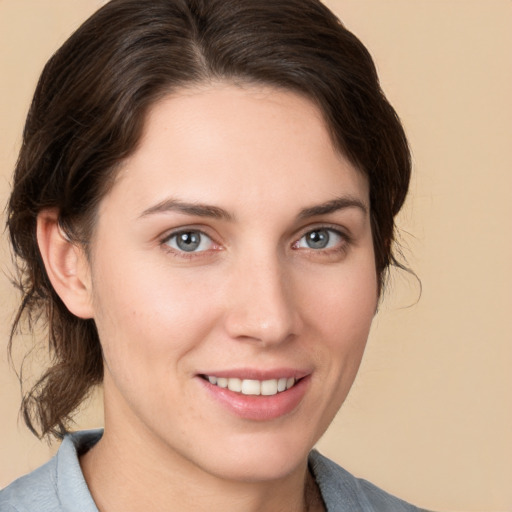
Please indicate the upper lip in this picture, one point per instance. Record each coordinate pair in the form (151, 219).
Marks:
(258, 374)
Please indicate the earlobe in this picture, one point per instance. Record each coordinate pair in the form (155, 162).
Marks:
(66, 265)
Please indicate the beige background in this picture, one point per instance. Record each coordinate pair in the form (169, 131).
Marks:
(430, 415)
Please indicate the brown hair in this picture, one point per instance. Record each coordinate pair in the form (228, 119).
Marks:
(87, 115)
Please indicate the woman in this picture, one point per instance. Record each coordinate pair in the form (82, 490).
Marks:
(203, 211)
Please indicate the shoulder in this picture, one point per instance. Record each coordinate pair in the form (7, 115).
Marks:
(35, 491)
(57, 485)
(342, 491)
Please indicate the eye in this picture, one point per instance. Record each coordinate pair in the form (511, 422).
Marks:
(322, 238)
(189, 241)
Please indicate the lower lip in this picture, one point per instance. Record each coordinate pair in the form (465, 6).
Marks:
(259, 407)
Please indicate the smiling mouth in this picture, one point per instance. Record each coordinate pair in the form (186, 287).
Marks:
(252, 387)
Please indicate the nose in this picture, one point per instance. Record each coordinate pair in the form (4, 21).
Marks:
(261, 304)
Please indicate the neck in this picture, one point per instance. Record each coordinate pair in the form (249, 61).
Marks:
(125, 473)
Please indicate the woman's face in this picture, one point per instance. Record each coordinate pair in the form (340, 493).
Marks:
(234, 249)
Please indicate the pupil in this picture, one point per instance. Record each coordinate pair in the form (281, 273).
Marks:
(188, 241)
(318, 239)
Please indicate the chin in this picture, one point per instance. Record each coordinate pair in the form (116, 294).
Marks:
(259, 458)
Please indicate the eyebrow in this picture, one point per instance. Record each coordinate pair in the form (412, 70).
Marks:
(215, 212)
(332, 206)
(197, 209)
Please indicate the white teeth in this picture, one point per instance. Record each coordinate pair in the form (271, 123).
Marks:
(269, 387)
(222, 382)
(235, 385)
(253, 387)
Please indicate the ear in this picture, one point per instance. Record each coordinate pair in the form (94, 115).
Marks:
(66, 265)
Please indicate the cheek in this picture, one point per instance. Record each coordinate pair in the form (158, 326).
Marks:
(340, 308)
(147, 317)
(344, 301)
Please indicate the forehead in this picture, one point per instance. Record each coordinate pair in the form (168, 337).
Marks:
(237, 145)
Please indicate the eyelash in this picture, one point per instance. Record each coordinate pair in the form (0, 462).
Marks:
(341, 245)
(176, 251)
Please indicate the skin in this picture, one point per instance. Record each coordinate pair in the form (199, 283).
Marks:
(253, 296)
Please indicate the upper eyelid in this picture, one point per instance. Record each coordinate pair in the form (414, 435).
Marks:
(165, 243)
(344, 242)
(176, 233)
(344, 232)
(167, 235)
